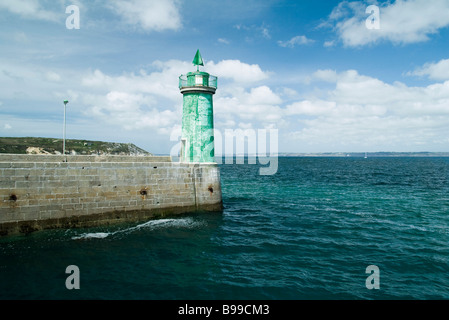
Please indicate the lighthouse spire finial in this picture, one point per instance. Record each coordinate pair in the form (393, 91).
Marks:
(198, 60)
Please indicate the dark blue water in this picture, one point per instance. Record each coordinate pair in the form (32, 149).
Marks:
(307, 232)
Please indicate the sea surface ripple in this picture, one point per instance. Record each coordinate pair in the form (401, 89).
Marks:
(307, 232)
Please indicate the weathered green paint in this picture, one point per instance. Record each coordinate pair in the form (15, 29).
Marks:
(197, 128)
(197, 138)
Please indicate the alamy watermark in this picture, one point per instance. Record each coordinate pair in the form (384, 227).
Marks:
(72, 281)
(73, 20)
(235, 145)
(373, 280)
(373, 21)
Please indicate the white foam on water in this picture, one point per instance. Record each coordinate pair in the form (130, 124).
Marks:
(92, 235)
(184, 222)
(165, 223)
(152, 225)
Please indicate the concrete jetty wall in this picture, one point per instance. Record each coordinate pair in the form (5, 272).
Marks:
(49, 191)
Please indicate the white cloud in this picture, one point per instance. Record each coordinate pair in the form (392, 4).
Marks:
(435, 71)
(149, 14)
(245, 125)
(329, 43)
(52, 76)
(358, 111)
(223, 40)
(131, 111)
(265, 32)
(137, 101)
(289, 93)
(33, 82)
(401, 22)
(363, 112)
(162, 82)
(133, 101)
(7, 126)
(355, 89)
(152, 99)
(29, 9)
(325, 75)
(306, 107)
(349, 112)
(237, 71)
(259, 104)
(254, 31)
(262, 95)
(297, 40)
(372, 133)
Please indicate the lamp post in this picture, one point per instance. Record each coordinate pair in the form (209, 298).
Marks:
(63, 130)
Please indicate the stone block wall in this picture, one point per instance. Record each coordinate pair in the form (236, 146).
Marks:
(49, 191)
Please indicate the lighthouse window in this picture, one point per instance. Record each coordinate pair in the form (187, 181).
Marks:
(199, 80)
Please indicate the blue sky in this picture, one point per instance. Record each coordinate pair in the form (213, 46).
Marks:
(310, 69)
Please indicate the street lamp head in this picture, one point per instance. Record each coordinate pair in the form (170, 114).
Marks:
(66, 101)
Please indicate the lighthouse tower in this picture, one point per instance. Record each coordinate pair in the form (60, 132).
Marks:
(197, 137)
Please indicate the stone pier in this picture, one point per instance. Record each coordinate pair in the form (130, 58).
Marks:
(50, 191)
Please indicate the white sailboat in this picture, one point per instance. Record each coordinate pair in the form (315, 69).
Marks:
(366, 155)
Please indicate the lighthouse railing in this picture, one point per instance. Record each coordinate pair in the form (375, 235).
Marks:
(205, 81)
(213, 81)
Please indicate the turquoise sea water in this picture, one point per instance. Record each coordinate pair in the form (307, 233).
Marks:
(307, 232)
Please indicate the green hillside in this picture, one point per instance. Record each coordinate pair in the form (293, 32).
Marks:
(34, 145)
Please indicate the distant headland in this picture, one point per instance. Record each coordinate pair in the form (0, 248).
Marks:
(34, 145)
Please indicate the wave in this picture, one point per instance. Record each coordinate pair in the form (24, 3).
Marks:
(92, 235)
(152, 225)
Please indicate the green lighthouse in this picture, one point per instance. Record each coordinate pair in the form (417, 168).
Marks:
(197, 137)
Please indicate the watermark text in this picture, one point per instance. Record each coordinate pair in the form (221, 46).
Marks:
(235, 145)
(373, 21)
(373, 280)
(72, 281)
(73, 20)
